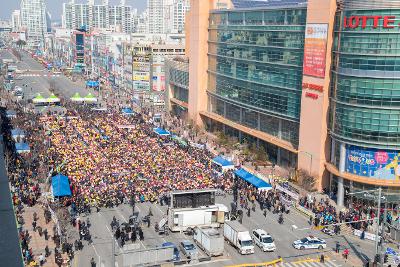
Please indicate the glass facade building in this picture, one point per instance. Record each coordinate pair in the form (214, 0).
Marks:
(177, 85)
(255, 69)
(365, 97)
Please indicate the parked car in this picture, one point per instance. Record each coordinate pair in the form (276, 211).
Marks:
(189, 249)
(177, 257)
(263, 240)
(309, 242)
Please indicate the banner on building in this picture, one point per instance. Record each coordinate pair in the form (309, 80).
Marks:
(315, 50)
(373, 163)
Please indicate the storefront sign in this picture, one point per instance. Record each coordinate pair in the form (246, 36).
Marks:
(314, 87)
(312, 95)
(315, 50)
(373, 163)
(353, 22)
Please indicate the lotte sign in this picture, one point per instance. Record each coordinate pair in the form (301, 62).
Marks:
(353, 22)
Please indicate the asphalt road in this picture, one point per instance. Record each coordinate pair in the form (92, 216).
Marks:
(39, 80)
(284, 235)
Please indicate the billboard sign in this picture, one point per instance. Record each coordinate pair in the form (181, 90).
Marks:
(373, 163)
(315, 50)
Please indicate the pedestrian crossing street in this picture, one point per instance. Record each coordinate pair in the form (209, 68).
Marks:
(38, 75)
(312, 263)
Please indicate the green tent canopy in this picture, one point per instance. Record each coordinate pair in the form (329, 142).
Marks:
(53, 99)
(39, 99)
(90, 98)
(77, 97)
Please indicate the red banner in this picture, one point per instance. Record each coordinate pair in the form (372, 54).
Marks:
(314, 62)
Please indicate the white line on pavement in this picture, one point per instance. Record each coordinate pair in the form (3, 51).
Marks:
(95, 251)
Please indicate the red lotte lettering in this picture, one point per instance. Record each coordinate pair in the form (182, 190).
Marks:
(353, 22)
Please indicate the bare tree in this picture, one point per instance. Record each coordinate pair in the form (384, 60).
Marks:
(305, 180)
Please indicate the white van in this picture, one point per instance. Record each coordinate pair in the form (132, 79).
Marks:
(263, 240)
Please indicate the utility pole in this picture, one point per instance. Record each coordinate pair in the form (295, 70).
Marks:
(377, 221)
(382, 253)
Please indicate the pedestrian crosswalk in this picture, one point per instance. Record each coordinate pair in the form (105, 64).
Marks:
(311, 263)
(38, 75)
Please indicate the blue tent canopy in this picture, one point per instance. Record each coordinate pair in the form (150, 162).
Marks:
(17, 132)
(161, 131)
(128, 111)
(222, 161)
(22, 147)
(92, 83)
(252, 179)
(11, 113)
(60, 186)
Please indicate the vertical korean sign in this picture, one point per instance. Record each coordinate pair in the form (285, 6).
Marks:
(315, 50)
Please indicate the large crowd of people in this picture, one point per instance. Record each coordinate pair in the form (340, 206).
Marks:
(109, 157)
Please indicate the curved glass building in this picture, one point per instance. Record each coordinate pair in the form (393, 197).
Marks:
(365, 96)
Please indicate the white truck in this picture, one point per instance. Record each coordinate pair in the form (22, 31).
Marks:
(239, 237)
(209, 240)
(180, 219)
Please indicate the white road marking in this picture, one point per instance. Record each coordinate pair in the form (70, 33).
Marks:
(95, 251)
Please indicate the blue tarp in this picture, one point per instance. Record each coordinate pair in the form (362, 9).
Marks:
(128, 111)
(22, 147)
(161, 131)
(222, 161)
(92, 83)
(60, 186)
(252, 179)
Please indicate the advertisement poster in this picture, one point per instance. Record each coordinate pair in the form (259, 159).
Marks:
(315, 50)
(373, 163)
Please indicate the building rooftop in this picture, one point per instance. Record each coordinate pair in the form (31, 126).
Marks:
(268, 3)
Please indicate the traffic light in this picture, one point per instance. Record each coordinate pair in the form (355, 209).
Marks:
(385, 258)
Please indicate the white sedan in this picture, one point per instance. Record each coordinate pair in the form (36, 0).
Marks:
(309, 242)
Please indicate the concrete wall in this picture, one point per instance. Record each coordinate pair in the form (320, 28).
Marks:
(314, 144)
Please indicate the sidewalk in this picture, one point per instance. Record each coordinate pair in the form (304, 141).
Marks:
(37, 242)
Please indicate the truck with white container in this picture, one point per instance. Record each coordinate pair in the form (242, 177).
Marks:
(239, 237)
(209, 240)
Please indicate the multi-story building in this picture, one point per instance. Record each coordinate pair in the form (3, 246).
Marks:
(313, 82)
(33, 19)
(104, 16)
(180, 9)
(174, 15)
(156, 16)
(16, 20)
(177, 86)
(159, 54)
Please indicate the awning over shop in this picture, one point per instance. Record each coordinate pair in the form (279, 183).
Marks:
(161, 131)
(22, 148)
(252, 179)
(60, 186)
